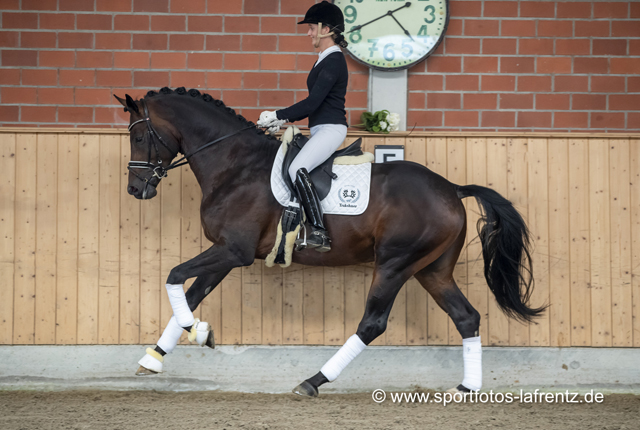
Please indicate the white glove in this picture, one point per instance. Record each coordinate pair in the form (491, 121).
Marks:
(269, 120)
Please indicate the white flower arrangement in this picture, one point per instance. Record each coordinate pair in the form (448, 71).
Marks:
(381, 121)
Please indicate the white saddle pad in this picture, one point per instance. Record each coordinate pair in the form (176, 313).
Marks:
(349, 193)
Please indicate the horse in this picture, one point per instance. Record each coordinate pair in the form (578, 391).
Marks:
(415, 225)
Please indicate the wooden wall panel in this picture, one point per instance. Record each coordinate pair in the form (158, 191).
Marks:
(86, 263)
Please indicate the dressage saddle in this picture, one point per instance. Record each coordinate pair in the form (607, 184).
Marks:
(322, 175)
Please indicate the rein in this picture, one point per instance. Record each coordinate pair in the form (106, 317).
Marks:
(158, 171)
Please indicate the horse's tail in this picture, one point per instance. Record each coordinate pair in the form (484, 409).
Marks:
(505, 249)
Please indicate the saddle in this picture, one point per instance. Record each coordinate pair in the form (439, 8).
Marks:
(322, 175)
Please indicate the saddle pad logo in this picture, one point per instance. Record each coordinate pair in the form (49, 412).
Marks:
(349, 196)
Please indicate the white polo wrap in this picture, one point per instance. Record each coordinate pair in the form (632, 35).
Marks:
(336, 364)
(472, 357)
(181, 310)
(170, 336)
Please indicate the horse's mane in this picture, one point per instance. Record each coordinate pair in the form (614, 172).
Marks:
(209, 99)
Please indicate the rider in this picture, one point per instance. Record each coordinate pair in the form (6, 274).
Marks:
(327, 85)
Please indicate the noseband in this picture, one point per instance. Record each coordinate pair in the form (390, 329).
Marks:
(158, 170)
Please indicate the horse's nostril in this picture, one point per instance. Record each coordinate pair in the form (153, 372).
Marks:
(132, 190)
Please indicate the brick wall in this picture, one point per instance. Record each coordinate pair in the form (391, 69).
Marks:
(504, 64)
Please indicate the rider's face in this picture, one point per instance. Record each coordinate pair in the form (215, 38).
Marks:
(313, 31)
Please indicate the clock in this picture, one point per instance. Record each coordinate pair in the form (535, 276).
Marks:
(393, 34)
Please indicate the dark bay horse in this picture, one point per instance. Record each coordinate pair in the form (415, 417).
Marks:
(415, 224)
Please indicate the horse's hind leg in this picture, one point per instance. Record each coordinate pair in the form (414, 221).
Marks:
(384, 288)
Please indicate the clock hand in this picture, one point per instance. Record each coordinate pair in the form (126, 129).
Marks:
(358, 27)
(404, 29)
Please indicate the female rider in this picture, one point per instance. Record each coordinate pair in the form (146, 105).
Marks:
(327, 85)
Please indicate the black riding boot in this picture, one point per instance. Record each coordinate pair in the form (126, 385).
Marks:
(319, 237)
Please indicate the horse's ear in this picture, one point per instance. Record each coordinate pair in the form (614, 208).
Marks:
(129, 104)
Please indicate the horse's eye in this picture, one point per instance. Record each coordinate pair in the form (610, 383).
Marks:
(138, 139)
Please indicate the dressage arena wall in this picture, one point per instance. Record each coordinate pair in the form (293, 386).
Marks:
(82, 262)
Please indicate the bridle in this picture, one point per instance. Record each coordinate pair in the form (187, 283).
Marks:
(158, 170)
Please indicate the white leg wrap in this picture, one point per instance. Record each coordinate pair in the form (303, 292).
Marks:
(336, 364)
(170, 336)
(181, 310)
(472, 356)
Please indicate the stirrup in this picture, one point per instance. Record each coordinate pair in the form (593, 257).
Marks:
(318, 240)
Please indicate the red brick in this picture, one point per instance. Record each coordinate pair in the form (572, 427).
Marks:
(191, 6)
(553, 64)
(610, 10)
(55, 96)
(94, 22)
(168, 60)
(571, 84)
(240, 98)
(625, 28)
(94, 60)
(57, 58)
(534, 83)
(573, 47)
(426, 82)
(621, 66)
(498, 119)
(589, 102)
(462, 83)
(18, 95)
(10, 77)
(205, 24)
(517, 65)
(241, 24)
(461, 119)
(634, 47)
(355, 99)
(151, 5)
(261, 7)
(635, 10)
(555, 28)
(115, 5)
(38, 5)
(93, 96)
(607, 84)
(75, 40)
(9, 39)
(278, 24)
(75, 5)
(571, 119)
(276, 98)
(424, 119)
(481, 27)
(574, 10)
(417, 100)
(304, 62)
(151, 79)
(226, 42)
(536, 46)
(553, 101)
(534, 119)
(358, 82)
(259, 43)
(466, 8)
(607, 120)
(131, 60)
(459, 45)
(9, 113)
(207, 61)
(57, 21)
(633, 121)
(537, 9)
(113, 78)
(277, 62)
(230, 80)
(624, 102)
(354, 66)
(19, 20)
(499, 46)
(500, 9)
(518, 28)
(295, 7)
(111, 116)
(75, 114)
(135, 93)
(289, 44)
(188, 79)
(10, 4)
(443, 101)
(633, 84)
(592, 29)
(498, 83)
(480, 101)
(131, 22)
(39, 39)
(38, 114)
(168, 23)
(231, 6)
(73, 78)
(609, 46)
(590, 65)
(516, 101)
(444, 64)
(454, 29)
(151, 41)
(19, 58)
(480, 64)
(186, 42)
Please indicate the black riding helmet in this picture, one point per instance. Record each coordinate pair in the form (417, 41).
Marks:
(327, 13)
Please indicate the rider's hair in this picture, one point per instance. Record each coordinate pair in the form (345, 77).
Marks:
(338, 38)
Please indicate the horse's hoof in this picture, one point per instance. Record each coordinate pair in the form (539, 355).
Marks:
(306, 389)
(459, 389)
(143, 371)
(211, 343)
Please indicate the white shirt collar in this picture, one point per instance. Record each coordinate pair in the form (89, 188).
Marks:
(322, 55)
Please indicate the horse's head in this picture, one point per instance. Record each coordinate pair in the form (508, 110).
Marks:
(154, 143)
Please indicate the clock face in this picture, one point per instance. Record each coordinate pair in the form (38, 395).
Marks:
(393, 34)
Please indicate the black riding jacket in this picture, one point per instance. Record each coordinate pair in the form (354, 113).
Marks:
(327, 85)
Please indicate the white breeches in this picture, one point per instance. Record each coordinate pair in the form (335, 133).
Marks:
(324, 141)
